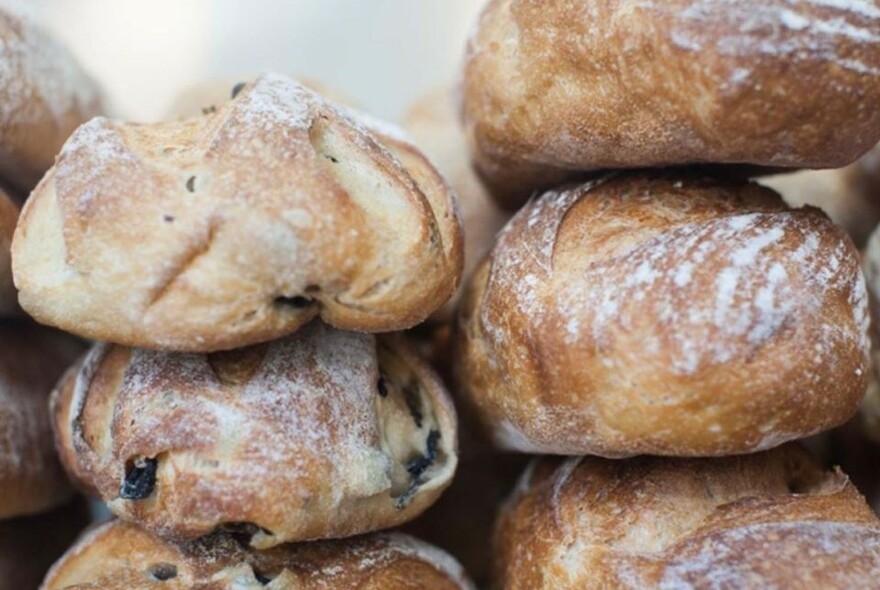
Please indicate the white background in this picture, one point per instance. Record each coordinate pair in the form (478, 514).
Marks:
(382, 53)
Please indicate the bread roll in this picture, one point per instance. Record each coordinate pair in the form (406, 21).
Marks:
(556, 87)
(31, 359)
(771, 520)
(322, 434)
(45, 95)
(236, 227)
(29, 545)
(663, 314)
(850, 196)
(436, 128)
(8, 217)
(120, 556)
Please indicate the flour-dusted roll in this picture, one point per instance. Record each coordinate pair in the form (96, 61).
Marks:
(29, 545)
(31, 359)
(45, 95)
(771, 520)
(663, 314)
(436, 128)
(322, 434)
(237, 227)
(850, 196)
(555, 87)
(8, 218)
(120, 556)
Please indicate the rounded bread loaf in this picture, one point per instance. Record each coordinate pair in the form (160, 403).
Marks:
(121, 556)
(553, 88)
(322, 434)
(769, 520)
(237, 227)
(663, 314)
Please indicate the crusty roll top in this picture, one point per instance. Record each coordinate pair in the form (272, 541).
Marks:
(664, 314)
(120, 556)
(237, 227)
(767, 520)
(322, 434)
(554, 87)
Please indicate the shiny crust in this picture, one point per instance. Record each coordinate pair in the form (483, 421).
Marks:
(552, 87)
(435, 126)
(663, 314)
(237, 227)
(44, 97)
(31, 358)
(288, 441)
(769, 520)
(120, 556)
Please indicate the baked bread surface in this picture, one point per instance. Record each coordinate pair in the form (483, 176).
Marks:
(556, 87)
(322, 434)
(120, 556)
(663, 314)
(769, 520)
(237, 227)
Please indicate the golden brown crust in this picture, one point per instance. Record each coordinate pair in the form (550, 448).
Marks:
(8, 218)
(31, 358)
(29, 545)
(663, 314)
(44, 97)
(850, 196)
(322, 434)
(120, 556)
(237, 227)
(767, 520)
(556, 87)
(436, 128)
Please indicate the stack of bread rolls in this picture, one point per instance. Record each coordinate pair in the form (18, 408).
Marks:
(582, 247)
(243, 272)
(649, 299)
(45, 94)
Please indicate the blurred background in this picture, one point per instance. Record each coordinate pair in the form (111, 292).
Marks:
(381, 53)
